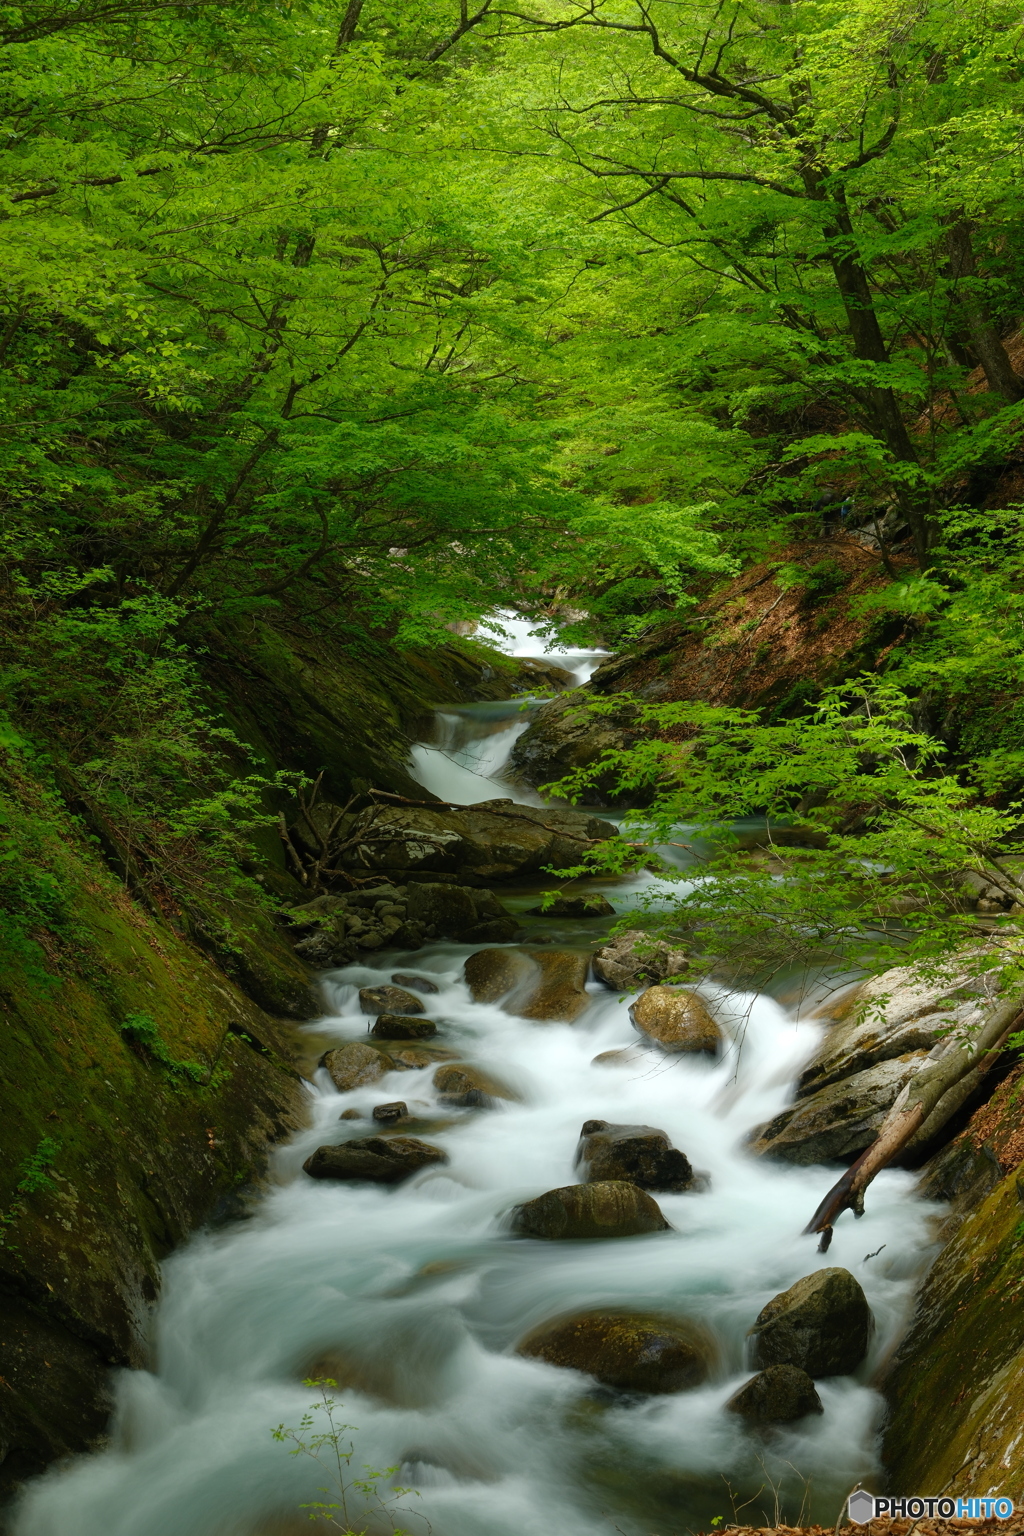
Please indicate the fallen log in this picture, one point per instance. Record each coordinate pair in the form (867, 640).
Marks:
(928, 1102)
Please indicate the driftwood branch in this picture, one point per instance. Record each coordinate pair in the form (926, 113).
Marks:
(453, 805)
(928, 1102)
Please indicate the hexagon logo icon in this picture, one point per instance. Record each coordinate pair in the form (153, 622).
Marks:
(862, 1506)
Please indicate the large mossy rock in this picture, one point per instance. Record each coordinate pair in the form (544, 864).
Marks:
(677, 1020)
(546, 985)
(460, 912)
(563, 735)
(778, 1395)
(633, 960)
(638, 1154)
(377, 1159)
(838, 1122)
(472, 845)
(613, 1208)
(631, 1351)
(821, 1325)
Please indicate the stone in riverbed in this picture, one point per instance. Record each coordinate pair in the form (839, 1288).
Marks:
(839, 1121)
(638, 1154)
(421, 983)
(396, 1026)
(612, 1208)
(821, 1325)
(388, 1000)
(461, 912)
(594, 905)
(355, 1065)
(460, 1084)
(411, 1058)
(630, 1351)
(633, 959)
(544, 985)
(378, 1159)
(676, 1019)
(396, 1110)
(778, 1395)
(491, 973)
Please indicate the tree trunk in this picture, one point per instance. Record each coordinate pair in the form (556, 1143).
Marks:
(927, 1103)
(985, 339)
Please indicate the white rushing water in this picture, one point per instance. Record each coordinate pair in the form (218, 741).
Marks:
(413, 1298)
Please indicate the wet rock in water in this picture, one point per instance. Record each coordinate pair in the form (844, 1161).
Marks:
(491, 973)
(461, 912)
(355, 1066)
(388, 1000)
(637, 1153)
(625, 1056)
(396, 1110)
(612, 1208)
(410, 1058)
(676, 1019)
(421, 983)
(378, 1159)
(838, 1122)
(397, 1026)
(594, 905)
(778, 1395)
(633, 960)
(821, 1325)
(560, 993)
(631, 1351)
(467, 1086)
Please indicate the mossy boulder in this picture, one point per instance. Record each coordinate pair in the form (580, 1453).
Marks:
(545, 985)
(837, 1122)
(376, 1159)
(639, 1154)
(612, 1208)
(821, 1325)
(459, 1083)
(677, 1020)
(633, 959)
(778, 1395)
(630, 1351)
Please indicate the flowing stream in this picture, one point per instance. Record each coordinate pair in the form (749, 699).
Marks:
(414, 1297)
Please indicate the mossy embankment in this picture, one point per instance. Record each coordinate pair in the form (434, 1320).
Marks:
(149, 1056)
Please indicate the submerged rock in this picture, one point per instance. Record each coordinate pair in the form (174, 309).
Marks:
(396, 1110)
(821, 1325)
(545, 985)
(838, 1122)
(355, 1065)
(388, 1000)
(778, 1395)
(397, 1026)
(594, 905)
(631, 1351)
(612, 1208)
(460, 1084)
(379, 1159)
(410, 1058)
(676, 1019)
(421, 983)
(638, 1154)
(634, 960)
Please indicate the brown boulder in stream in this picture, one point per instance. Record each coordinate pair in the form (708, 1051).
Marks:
(821, 1324)
(378, 1159)
(633, 959)
(545, 984)
(676, 1019)
(777, 1395)
(491, 973)
(631, 1351)
(637, 1153)
(613, 1208)
(395, 1026)
(460, 1084)
(355, 1065)
(388, 1000)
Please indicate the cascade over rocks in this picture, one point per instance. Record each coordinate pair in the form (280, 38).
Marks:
(821, 1325)
(837, 1122)
(633, 960)
(612, 1208)
(630, 1351)
(379, 1159)
(676, 1019)
(638, 1154)
(418, 983)
(545, 984)
(778, 1395)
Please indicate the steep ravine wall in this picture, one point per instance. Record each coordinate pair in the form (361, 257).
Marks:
(146, 1067)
